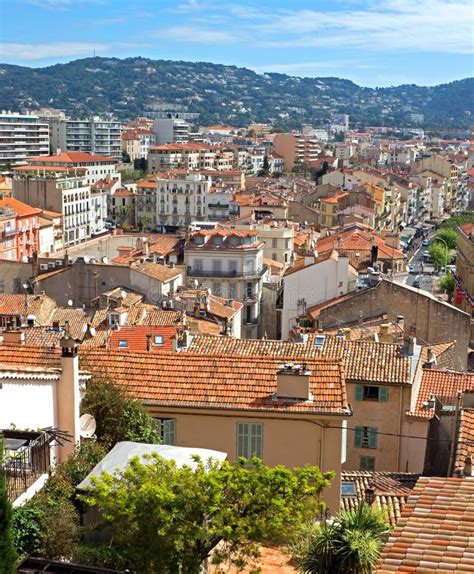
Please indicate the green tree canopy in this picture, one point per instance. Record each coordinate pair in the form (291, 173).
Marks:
(170, 519)
(439, 254)
(7, 549)
(446, 282)
(448, 235)
(351, 544)
(118, 417)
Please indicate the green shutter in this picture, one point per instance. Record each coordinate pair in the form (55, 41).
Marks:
(372, 437)
(168, 431)
(359, 392)
(249, 440)
(383, 394)
(358, 437)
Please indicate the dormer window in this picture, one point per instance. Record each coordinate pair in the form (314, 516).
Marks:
(218, 240)
(199, 240)
(234, 240)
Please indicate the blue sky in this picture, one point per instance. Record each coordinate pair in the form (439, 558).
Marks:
(372, 42)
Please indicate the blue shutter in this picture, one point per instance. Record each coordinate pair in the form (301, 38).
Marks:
(359, 392)
(372, 437)
(358, 437)
(383, 394)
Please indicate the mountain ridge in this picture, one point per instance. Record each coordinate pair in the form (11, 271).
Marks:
(228, 94)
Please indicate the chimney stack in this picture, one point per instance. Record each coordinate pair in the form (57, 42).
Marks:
(68, 394)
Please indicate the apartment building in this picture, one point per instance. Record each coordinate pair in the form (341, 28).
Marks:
(230, 263)
(62, 190)
(464, 297)
(8, 233)
(171, 130)
(296, 149)
(137, 143)
(55, 220)
(173, 199)
(92, 167)
(25, 232)
(278, 239)
(22, 136)
(189, 156)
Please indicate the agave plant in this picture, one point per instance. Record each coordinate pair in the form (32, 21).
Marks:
(349, 544)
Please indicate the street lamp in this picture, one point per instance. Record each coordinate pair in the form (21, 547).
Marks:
(447, 249)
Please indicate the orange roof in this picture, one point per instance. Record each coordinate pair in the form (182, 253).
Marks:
(55, 168)
(71, 157)
(442, 384)
(136, 338)
(465, 442)
(186, 380)
(334, 199)
(20, 208)
(181, 147)
(436, 530)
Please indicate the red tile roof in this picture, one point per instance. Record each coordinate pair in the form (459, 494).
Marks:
(20, 208)
(443, 384)
(70, 157)
(465, 445)
(435, 533)
(137, 337)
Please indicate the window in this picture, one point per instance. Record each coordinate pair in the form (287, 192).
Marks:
(367, 463)
(249, 440)
(167, 430)
(123, 344)
(274, 243)
(365, 437)
(158, 340)
(348, 489)
(371, 393)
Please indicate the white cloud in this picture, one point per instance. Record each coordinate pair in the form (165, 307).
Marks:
(310, 68)
(197, 35)
(18, 51)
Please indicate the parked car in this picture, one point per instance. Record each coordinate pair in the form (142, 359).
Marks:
(426, 256)
(425, 242)
(411, 269)
(416, 282)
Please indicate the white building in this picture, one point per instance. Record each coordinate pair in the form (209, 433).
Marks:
(171, 130)
(229, 262)
(21, 137)
(138, 142)
(93, 135)
(173, 201)
(314, 280)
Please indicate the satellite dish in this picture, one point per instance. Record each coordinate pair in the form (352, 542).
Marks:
(69, 302)
(93, 331)
(87, 426)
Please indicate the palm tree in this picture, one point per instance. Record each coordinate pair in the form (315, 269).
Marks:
(349, 544)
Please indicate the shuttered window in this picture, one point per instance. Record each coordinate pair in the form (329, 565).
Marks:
(249, 440)
(167, 431)
(365, 437)
(367, 463)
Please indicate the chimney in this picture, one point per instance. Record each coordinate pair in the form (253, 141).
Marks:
(68, 395)
(467, 470)
(384, 335)
(148, 342)
(370, 494)
(13, 337)
(409, 342)
(401, 323)
(430, 359)
(293, 382)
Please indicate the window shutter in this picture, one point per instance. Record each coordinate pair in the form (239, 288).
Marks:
(249, 440)
(359, 392)
(358, 437)
(169, 431)
(383, 394)
(372, 437)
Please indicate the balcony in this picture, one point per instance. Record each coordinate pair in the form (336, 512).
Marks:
(226, 274)
(27, 458)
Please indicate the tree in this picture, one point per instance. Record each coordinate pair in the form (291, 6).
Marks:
(351, 544)
(446, 282)
(118, 417)
(7, 549)
(145, 222)
(125, 157)
(170, 519)
(449, 236)
(439, 254)
(140, 164)
(123, 212)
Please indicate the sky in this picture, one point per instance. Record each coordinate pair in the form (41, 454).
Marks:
(371, 42)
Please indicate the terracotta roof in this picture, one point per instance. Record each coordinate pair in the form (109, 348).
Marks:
(70, 157)
(363, 360)
(41, 306)
(272, 559)
(20, 208)
(443, 384)
(391, 490)
(123, 192)
(465, 443)
(137, 337)
(55, 168)
(160, 272)
(300, 262)
(201, 381)
(104, 184)
(435, 533)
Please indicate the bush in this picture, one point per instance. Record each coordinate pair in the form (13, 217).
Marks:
(446, 282)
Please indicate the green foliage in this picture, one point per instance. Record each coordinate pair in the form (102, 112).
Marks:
(456, 220)
(446, 282)
(123, 212)
(145, 222)
(449, 236)
(118, 417)
(125, 157)
(439, 254)
(351, 544)
(100, 555)
(169, 519)
(141, 165)
(8, 554)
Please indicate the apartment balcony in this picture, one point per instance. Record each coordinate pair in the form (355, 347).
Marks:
(27, 458)
(256, 274)
(251, 321)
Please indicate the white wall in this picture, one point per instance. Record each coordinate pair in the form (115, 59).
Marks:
(27, 405)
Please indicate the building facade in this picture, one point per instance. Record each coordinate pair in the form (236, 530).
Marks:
(296, 149)
(21, 137)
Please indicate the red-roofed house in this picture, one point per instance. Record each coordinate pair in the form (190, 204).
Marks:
(22, 233)
(143, 338)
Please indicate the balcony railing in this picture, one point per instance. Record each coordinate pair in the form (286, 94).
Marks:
(225, 274)
(29, 459)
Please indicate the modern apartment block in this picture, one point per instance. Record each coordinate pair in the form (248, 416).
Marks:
(229, 262)
(173, 199)
(190, 156)
(93, 135)
(65, 191)
(296, 149)
(171, 130)
(21, 137)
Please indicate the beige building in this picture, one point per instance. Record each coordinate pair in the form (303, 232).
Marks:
(278, 240)
(189, 156)
(464, 292)
(296, 149)
(137, 143)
